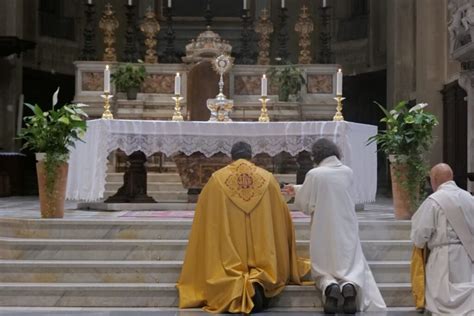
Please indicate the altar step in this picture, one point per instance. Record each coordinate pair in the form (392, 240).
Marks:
(166, 187)
(136, 262)
(149, 228)
(161, 294)
(142, 271)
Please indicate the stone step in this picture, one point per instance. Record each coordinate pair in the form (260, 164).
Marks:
(157, 295)
(160, 196)
(151, 187)
(79, 271)
(161, 229)
(154, 177)
(166, 250)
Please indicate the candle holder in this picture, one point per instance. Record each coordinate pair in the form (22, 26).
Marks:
(89, 51)
(246, 52)
(177, 116)
(304, 27)
(264, 112)
(283, 37)
(130, 50)
(169, 55)
(325, 52)
(109, 24)
(150, 27)
(338, 116)
(107, 115)
(264, 28)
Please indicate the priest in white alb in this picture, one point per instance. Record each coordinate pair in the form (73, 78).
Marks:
(338, 264)
(445, 224)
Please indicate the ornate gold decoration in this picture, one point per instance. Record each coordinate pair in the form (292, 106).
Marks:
(244, 181)
(338, 116)
(264, 28)
(177, 116)
(207, 46)
(150, 27)
(264, 112)
(220, 106)
(109, 24)
(107, 115)
(304, 26)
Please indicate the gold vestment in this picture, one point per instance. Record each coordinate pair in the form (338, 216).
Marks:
(417, 268)
(242, 234)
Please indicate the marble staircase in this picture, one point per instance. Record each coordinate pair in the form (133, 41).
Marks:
(127, 262)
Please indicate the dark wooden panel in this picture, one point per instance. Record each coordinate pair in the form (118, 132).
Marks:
(455, 131)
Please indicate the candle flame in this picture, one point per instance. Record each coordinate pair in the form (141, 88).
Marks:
(107, 67)
(340, 70)
(264, 76)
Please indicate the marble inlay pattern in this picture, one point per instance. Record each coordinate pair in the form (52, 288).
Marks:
(92, 81)
(158, 83)
(251, 85)
(319, 83)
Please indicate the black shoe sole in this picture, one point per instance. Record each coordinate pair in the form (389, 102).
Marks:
(258, 299)
(349, 293)
(332, 294)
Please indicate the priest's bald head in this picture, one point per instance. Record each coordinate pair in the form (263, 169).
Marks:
(241, 150)
(440, 174)
(324, 148)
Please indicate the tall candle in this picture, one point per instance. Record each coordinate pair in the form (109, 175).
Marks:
(177, 84)
(339, 82)
(129, 2)
(245, 4)
(107, 79)
(169, 3)
(264, 86)
(324, 3)
(282, 3)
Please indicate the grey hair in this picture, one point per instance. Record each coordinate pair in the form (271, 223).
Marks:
(324, 148)
(241, 150)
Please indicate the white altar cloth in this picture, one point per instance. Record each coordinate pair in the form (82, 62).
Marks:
(88, 161)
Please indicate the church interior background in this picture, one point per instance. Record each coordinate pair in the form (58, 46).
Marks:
(388, 50)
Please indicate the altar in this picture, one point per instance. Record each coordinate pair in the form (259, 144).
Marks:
(88, 161)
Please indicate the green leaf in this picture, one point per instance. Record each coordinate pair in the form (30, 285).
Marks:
(64, 120)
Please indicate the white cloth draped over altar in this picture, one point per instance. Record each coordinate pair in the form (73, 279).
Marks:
(88, 161)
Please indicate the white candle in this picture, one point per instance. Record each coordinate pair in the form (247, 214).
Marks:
(130, 2)
(107, 79)
(169, 3)
(264, 86)
(245, 4)
(177, 84)
(339, 82)
(282, 3)
(89, 1)
(324, 3)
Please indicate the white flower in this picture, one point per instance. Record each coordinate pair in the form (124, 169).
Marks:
(394, 113)
(55, 97)
(418, 107)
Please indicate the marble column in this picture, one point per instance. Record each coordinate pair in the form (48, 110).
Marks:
(11, 70)
(401, 54)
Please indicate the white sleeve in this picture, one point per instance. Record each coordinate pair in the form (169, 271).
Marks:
(304, 195)
(423, 223)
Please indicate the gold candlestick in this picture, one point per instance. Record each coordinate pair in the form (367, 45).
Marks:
(338, 116)
(264, 112)
(177, 116)
(109, 24)
(107, 115)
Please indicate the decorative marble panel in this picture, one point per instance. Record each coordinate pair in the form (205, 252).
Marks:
(158, 83)
(92, 81)
(320, 83)
(251, 85)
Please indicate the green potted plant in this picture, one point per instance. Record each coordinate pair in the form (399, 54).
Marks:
(128, 78)
(51, 134)
(406, 139)
(288, 78)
